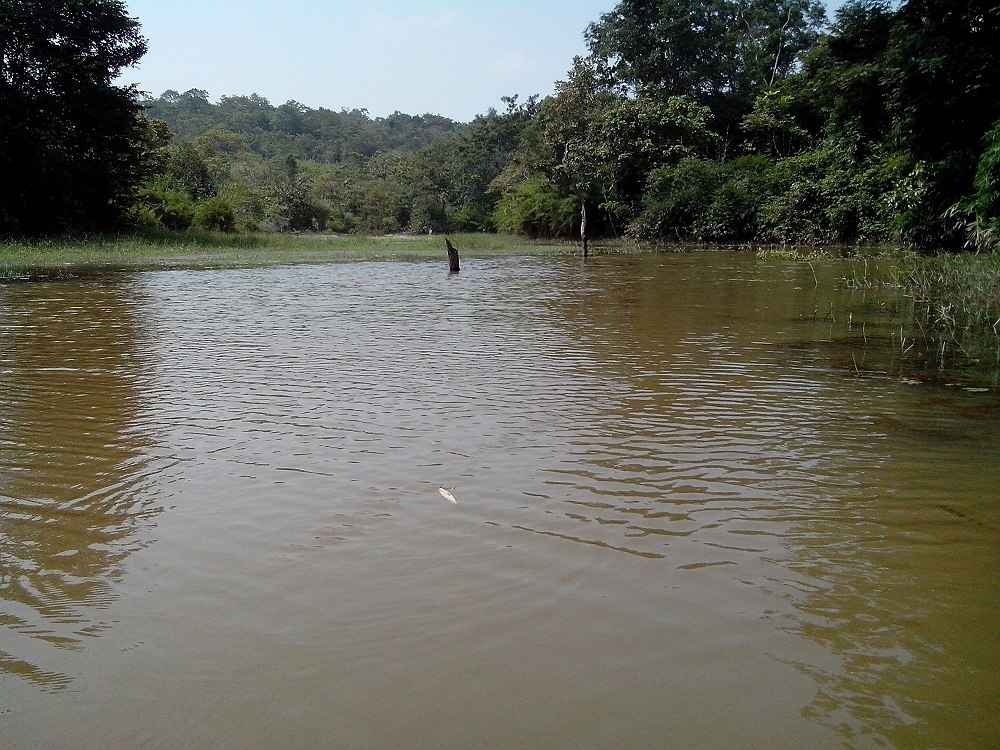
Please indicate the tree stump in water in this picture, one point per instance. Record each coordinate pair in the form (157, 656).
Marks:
(452, 256)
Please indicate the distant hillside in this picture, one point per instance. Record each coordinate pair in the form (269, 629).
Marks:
(293, 129)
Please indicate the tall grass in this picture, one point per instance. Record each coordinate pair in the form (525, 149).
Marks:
(949, 305)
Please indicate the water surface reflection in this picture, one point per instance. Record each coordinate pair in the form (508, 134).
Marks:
(73, 464)
(677, 524)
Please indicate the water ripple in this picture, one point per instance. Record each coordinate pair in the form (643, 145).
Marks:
(245, 465)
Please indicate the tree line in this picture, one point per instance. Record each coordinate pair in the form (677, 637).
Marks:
(709, 120)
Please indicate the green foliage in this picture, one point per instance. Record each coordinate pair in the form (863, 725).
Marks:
(819, 203)
(249, 204)
(633, 137)
(774, 126)
(215, 214)
(703, 200)
(719, 52)
(850, 78)
(537, 208)
(676, 199)
(736, 210)
(187, 170)
(986, 198)
(317, 135)
(602, 146)
(170, 207)
(978, 215)
(717, 120)
(876, 129)
(72, 145)
(945, 64)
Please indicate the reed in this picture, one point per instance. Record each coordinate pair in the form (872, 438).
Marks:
(949, 304)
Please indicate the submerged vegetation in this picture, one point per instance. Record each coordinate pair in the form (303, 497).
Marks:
(949, 306)
(945, 308)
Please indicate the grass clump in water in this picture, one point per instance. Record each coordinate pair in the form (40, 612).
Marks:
(949, 305)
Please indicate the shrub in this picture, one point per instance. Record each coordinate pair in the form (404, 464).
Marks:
(472, 219)
(173, 208)
(746, 184)
(536, 208)
(821, 203)
(215, 214)
(676, 199)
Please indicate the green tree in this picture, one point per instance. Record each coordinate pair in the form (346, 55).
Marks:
(946, 98)
(851, 74)
(978, 215)
(537, 208)
(215, 214)
(774, 126)
(187, 170)
(571, 146)
(290, 118)
(676, 199)
(718, 52)
(246, 114)
(634, 136)
(569, 123)
(72, 144)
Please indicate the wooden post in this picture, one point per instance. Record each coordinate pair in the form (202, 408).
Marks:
(583, 226)
(452, 256)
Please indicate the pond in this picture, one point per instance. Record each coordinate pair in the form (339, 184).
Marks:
(698, 503)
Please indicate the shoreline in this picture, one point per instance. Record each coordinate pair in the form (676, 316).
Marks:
(68, 256)
(106, 253)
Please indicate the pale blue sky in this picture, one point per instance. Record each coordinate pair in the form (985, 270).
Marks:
(416, 56)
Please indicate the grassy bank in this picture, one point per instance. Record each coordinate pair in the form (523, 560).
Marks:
(215, 250)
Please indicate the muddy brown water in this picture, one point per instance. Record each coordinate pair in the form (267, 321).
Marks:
(697, 506)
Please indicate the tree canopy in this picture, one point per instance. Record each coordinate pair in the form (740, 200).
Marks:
(717, 52)
(72, 144)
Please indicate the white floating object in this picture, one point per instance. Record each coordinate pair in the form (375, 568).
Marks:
(447, 495)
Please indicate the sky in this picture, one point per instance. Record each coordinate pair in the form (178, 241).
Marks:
(443, 57)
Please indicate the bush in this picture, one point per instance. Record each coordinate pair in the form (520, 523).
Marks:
(747, 184)
(536, 208)
(342, 222)
(173, 208)
(249, 205)
(821, 203)
(676, 199)
(215, 214)
(471, 219)
(143, 217)
(978, 215)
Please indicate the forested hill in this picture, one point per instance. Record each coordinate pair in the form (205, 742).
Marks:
(293, 129)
